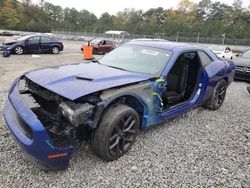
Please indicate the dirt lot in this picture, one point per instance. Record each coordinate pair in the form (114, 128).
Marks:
(199, 149)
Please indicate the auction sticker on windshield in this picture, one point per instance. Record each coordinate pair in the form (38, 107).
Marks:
(150, 52)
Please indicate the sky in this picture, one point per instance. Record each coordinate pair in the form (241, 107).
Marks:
(113, 6)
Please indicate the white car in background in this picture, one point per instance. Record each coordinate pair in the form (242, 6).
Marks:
(222, 51)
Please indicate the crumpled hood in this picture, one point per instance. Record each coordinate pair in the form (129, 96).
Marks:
(77, 80)
(5, 45)
(10, 41)
(244, 62)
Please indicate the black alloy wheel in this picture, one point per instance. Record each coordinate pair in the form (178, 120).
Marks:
(116, 132)
(218, 96)
(123, 135)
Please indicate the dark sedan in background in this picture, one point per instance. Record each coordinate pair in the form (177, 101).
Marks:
(33, 44)
(6, 33)
(242, 63)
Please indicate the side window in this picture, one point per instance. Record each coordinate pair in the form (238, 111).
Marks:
(101, 42)
(45, 39)
(205, 59)
(108, 42)
(33, 40)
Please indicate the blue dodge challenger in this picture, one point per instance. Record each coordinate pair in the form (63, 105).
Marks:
(136, 86)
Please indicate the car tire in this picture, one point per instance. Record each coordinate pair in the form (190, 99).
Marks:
(19, 50)
(95, 51)
(217, 99)
(55, 50)
(116, 132)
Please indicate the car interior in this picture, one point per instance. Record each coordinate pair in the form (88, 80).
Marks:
(182, 79)
(103, 42)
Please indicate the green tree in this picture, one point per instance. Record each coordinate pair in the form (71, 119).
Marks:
(104, 23)
(8, 18)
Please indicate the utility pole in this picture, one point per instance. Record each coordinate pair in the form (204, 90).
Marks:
(177, 37)
(223, 40)
(198, 37)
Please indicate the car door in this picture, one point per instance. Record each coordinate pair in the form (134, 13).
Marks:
(102, 46)
(45, 44)
(105, 46)
(109, 45)
(199, 87)
(32, 44)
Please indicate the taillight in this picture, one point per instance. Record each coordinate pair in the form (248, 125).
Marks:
(61, 42)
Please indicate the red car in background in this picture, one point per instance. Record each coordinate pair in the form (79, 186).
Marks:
(101, 46)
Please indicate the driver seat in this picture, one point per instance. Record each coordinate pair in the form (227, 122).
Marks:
(177, 82)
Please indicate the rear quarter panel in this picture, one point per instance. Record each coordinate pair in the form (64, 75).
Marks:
(217, 71)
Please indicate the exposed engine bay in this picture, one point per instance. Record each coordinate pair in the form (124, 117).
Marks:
(65, 120)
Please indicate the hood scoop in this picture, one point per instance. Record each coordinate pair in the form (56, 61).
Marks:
(84, 78)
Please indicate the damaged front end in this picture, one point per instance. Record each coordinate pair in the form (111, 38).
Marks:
(47, 125)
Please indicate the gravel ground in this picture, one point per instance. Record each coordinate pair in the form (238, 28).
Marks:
(201, 148)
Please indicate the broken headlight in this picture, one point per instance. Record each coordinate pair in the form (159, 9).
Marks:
(76, 113)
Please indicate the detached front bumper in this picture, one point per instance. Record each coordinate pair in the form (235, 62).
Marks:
(3, 48)
(31, 134)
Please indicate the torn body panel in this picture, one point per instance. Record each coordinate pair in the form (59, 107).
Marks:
(31, 134)
(147, 93)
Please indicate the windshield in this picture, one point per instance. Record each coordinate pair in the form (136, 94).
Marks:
(95, 41)
(137, 59)
(23, 38)
(218, 48)
(246, 54)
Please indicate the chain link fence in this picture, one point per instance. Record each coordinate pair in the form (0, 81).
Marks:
(178, 37)
(238, 45)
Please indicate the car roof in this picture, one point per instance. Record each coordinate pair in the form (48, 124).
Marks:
(37, 35)
(148, 39)
(165, 45)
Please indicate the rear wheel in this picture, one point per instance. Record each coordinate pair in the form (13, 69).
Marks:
(18, 50)
(217, 99)
(55, 50)
(116, 132)
(95, 51)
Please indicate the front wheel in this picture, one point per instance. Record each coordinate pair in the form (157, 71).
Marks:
(116, 132)
(18, 50)
(217, 99)
(55, 50)
(95, 51)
